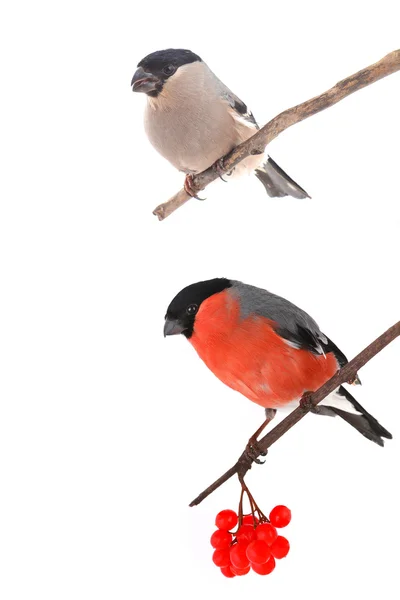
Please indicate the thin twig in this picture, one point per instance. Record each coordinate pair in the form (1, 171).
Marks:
(347, 373)
(257, 143)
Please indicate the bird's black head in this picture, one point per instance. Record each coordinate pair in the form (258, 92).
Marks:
(181, 313)
(154, 69)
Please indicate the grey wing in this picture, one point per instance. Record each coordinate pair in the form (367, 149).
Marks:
(302, 334)
(300, 330)
(241, 108)
(236, 104)
(291, 322)
(276, 182)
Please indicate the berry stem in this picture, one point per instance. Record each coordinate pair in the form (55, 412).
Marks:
(240, 511)
(254, 508)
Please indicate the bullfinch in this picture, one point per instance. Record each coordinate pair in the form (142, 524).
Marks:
(266, 348)
(192, 119)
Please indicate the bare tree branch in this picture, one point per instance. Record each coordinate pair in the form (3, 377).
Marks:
(347, 373)
(257, 143)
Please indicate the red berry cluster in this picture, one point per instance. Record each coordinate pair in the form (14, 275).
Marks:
(255, 545)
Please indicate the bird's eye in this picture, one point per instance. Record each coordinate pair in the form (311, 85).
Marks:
(169, 69)
(192, 309)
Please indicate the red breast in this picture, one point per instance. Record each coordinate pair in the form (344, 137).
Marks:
(250, 357)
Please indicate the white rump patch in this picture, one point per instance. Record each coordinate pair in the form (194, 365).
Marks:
(339, 402)
(333, 399)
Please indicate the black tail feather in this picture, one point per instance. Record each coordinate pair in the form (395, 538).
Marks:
(278, 183)
(365, 423)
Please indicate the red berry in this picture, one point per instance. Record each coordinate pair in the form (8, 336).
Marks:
(280, 516)
(280, 547)
(221, 557)
(240, 571)
(258, 552)
(246, 534)
(267, 533)
(265, 568)
(249, 520)
(221, 539)
(238, 556)
(227, 571)
(226, 519)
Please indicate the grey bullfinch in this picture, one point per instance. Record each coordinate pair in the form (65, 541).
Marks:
(192, 119)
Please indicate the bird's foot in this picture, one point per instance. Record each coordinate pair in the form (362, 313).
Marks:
(354, 380)
(306, 404)
(189, 187)
(253, 451)
(220, 168)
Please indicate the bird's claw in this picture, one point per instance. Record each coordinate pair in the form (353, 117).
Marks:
(306, 404)
(220, 169)
(253, 451)
(354, 380)
(189, 187)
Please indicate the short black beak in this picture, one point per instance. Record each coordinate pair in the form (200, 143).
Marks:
(173, 327)
(144, 82)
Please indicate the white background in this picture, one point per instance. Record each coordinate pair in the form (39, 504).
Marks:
(108, 430)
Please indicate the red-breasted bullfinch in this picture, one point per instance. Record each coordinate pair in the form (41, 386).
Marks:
(264, 347)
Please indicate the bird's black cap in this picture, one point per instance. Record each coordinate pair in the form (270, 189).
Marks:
(172, 56)
(181, 313)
